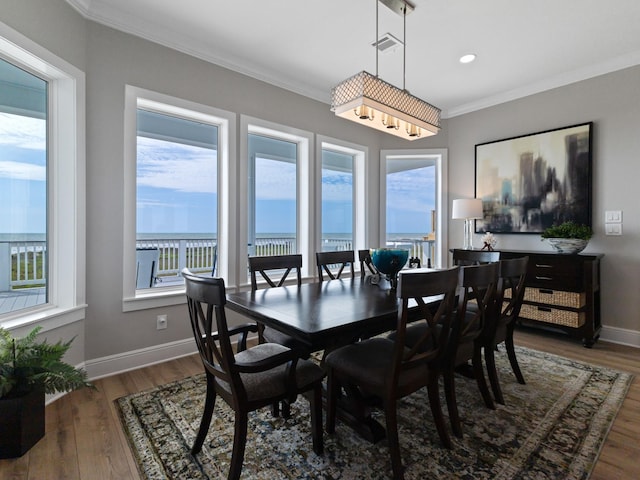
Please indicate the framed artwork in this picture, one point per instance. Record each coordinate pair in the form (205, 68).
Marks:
(531, 182)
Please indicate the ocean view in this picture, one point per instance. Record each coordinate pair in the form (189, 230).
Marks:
(41, 237)
(206, 236)
(22, 237)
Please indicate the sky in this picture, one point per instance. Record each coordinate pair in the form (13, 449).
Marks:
(177, 188)
(22, 174)
(410, 198)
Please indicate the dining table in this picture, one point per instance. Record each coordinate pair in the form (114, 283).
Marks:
(322, 315)
(325, 316)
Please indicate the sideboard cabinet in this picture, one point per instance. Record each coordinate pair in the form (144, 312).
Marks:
(562, 292)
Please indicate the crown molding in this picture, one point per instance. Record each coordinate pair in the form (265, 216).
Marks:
(102, 13)
(567, 78)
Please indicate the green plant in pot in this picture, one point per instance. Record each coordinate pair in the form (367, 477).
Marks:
(29, 369)
(568, 237)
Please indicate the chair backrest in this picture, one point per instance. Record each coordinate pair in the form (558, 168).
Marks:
(146, 267)
(365, 263)
(477, 292)
(413, 288)
(215, 260)
(511, 287)
(474, 257)
(206, 299)
(343, 258)
(271, 266)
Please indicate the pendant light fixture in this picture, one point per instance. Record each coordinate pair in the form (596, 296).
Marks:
(369, 100)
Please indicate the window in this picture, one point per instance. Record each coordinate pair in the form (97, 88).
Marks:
(341, 196)
(176, 197)
(413, 203)
(23, 188)
(272, 217)
(337, 200)
(41, 185)
(274, 208)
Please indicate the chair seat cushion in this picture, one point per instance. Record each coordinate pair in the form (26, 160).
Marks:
(271, 335)
(413, 334)
(273, 383)
(368, 363)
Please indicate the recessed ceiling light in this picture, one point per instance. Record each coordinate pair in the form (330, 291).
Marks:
(468, 58)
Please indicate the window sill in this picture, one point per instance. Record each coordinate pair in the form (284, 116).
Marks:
(47, 318)
(154, 298)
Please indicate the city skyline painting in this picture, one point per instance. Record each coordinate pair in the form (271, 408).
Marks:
(531, 182)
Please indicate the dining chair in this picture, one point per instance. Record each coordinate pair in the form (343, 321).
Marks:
(366, 264)
(387, 370)
(472, 257)
(502, 320)
(249, 379)
(476, 296)
(326, 260)
(275, 270)
(275, 265)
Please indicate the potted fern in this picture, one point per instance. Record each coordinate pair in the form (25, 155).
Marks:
(29, 369)
(568, 237)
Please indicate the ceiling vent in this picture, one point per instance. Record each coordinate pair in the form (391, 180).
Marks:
(387, 43)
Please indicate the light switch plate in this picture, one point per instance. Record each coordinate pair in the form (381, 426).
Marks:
(613, 228)
(613, 216)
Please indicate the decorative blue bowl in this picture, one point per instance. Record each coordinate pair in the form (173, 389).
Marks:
(389, 261)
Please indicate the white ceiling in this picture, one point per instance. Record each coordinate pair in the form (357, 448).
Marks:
(309, 46)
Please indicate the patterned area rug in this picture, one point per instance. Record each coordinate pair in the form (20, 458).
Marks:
(553, 427)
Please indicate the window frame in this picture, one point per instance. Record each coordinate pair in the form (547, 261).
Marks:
(66, 179)
(305, 180)
(440, 158)
(139, 299)
(360, 155)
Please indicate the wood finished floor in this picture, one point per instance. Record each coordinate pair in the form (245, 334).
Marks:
(84, 439)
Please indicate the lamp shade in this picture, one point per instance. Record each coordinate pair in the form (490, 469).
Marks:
(467, 208)
(371, 101)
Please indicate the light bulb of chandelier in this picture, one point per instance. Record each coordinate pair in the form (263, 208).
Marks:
(413, 130)
(390, 121)
(363, 112)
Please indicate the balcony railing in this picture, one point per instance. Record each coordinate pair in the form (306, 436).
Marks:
(175, 254)
(22, 263)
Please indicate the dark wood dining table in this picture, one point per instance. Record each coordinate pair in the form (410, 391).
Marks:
(325, 316)
(322, 315)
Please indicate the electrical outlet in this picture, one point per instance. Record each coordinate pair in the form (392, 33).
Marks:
(161, 322)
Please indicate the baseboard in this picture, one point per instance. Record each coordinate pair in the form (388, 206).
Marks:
(123, 362)
(621, 336)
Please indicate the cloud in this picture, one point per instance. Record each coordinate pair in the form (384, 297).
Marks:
(174, 166)
(22, 171)
(23, 132)
(275, 180)
(337, 186)
(411, 190)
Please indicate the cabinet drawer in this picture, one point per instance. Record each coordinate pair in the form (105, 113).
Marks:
(554, 280)
(552, 315)
(559, 298)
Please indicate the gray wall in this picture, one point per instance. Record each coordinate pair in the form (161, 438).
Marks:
(612, 102)
(112, 59)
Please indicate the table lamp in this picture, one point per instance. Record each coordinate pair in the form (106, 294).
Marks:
(467, 209)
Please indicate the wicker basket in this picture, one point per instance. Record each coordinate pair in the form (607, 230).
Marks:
(555, 297)
(552, 315)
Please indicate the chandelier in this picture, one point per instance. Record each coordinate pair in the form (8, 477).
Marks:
(369, 100)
